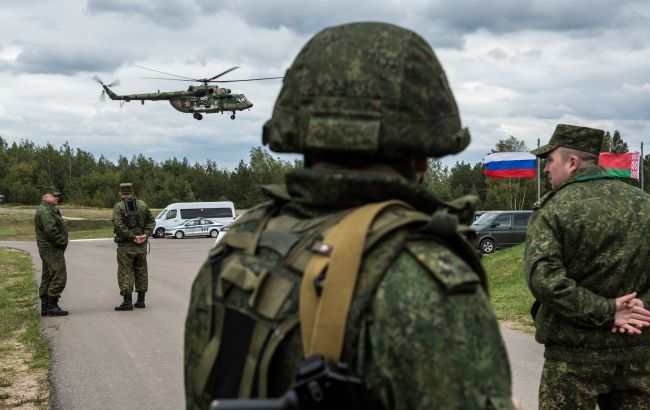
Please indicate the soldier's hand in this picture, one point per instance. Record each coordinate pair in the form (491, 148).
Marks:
(630, 315)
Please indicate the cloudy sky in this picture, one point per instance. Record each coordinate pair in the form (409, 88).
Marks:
(517, 67)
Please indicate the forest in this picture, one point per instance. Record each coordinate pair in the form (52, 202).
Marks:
(27, 170)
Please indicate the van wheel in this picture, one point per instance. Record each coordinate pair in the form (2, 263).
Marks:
(487, 246)
(179, 234)
(160, 233)
(214, 233)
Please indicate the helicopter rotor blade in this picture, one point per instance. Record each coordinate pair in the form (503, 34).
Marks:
(220, 74)
(102, 96)
(162, 72)
(170, 79)
(248, 79)
(99, 80)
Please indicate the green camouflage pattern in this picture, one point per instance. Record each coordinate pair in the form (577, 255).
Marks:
(127, 225)
(132, 257)
(53, 272)
(52, 241)
(371, 89)
(420, 332)
(50, 228)
(570, 136)
(587, 244)
(571, 386)
(132, 269)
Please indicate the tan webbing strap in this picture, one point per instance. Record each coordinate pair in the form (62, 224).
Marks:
(260, 334)
(322, 320)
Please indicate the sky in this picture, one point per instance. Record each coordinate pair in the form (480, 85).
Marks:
(516, 67)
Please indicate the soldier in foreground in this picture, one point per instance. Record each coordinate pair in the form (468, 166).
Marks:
(587, 262)
(52, 240)
(133, 224)
(352, 261)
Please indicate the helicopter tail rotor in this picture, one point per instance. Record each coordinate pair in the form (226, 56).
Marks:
(115, 83)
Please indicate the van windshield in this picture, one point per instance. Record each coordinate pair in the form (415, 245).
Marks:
(485, 219)
(161, 214)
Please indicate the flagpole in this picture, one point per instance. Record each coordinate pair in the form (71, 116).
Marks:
(538, 178)
(641, 167)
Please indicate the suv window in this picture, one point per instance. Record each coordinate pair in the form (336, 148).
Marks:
(171, 214)
(502, 220)
(521, 219)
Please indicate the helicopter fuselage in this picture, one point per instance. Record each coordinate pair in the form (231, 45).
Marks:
(197, 99)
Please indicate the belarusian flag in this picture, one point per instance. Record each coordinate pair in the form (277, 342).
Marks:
(620, 165)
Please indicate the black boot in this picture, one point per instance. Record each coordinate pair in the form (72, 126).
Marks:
(44, 305)
(140, 302)
(53, 308)
(127, 304)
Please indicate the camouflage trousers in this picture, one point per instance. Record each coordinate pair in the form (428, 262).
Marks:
(53, 273)
(132, 268)
(573, 386)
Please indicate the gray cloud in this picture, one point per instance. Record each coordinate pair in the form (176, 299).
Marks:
(173, 14)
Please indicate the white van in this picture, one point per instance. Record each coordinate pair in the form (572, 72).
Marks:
(176, 214)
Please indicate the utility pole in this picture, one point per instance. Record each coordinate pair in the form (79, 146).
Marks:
(641, 166)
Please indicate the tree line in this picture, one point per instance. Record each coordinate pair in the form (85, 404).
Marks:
(27, 170)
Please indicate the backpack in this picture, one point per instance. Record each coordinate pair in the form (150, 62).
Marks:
(271, 264)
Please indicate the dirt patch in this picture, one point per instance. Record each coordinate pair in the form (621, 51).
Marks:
(20, 386)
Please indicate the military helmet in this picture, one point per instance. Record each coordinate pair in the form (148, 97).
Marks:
(126, 188)
(370, 89)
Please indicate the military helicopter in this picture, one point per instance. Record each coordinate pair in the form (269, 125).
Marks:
(202, 98)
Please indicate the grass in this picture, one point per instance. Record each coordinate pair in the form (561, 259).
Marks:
(24, 358)
(509, 293)
(17, 223)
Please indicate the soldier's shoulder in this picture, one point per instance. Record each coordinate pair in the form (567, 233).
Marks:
(443, 264)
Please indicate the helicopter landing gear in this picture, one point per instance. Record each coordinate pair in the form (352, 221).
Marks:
(197, 116)
(232, 117)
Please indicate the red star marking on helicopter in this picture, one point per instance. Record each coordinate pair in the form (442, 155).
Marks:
(187, 103)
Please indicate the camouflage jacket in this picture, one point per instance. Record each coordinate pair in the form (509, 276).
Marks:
(127, 226)
(50, 228)
(587, 244)
(425, 337)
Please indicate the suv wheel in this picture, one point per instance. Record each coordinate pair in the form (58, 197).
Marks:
(179, 234)
(160, 233)
(487, 246)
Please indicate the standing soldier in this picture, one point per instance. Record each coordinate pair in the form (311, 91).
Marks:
(353, 259)
(52, 240)
(587, 262)
(133, 224)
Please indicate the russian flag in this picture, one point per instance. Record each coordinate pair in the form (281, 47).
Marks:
(510, 165)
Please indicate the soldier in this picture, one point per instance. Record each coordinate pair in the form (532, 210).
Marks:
(52, 240)
(587, 262)
(133, 224)
(366, 103)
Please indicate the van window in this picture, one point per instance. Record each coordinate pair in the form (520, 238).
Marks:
(206, 213)
(161, 214)
(503, 220)
(522, 219)
(171, 214)
(485, 219)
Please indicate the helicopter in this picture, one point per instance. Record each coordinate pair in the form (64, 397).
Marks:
(198, 99)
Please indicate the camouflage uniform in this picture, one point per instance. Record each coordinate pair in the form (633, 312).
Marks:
(132, 257)
(587, 245)
(420, 331)
(52, 240)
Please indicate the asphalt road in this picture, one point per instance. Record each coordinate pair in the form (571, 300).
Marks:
(103, 359)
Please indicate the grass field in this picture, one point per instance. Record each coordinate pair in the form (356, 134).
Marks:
(509, 293)
(24, 358)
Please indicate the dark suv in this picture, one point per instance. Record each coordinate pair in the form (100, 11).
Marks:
(500, 229)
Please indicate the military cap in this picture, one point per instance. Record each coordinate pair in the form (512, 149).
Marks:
(126, 188)
(570, 136)
(53, 191)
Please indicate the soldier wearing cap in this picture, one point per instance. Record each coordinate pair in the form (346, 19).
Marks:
(366, 104)
(133, 224)
(52, 240)
(587, 262)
